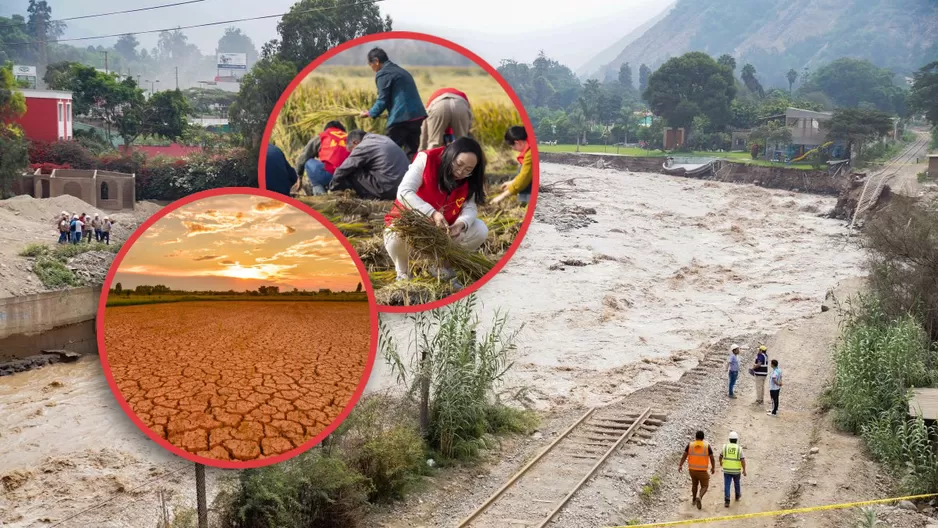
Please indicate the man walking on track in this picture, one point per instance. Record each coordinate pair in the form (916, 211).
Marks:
(698, 455)
(397, 93)
(760, 369)
(775, 385)
(734, 368)
(733, 462)
(448, 115)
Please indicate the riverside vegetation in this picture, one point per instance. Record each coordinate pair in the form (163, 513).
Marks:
(450, 410)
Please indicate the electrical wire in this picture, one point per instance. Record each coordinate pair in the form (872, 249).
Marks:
(136, 10)
(207, 24)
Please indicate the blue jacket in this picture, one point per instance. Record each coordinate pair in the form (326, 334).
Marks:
(281, 176)
(397, 93)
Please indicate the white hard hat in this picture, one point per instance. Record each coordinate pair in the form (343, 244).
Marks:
(734, 347)
(64, 213)
(733, 435)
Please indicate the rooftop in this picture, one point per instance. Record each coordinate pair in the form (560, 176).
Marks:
(46, 94)
(798, 112)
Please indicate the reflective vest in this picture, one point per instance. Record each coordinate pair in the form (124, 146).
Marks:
(698, 457)
(450, 204)
(442, 91)
(332, 151)
(732, 463)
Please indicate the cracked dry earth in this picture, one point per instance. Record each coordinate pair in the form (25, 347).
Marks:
(238, 380)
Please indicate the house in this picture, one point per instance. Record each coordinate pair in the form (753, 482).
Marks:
(109, 191)
(48, 115)
(806, 134)
(933, 165)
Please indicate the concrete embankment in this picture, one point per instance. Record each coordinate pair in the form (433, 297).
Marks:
(49, 320)
(789, 179)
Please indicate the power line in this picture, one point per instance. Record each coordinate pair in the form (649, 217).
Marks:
(207, 24)
(137, 10)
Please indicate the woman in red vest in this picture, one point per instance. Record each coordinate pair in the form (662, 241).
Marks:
(321, 156)
(446, 184)
(516, 137)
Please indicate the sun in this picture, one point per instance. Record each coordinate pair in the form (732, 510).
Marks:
(238, 271)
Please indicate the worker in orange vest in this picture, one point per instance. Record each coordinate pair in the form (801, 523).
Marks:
(449, 117)
(698, 454)
(320, 158)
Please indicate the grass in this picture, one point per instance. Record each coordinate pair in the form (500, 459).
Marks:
(341, 93)
(923, 177)
(114, 299)
(49, 262)
(739, 157)
(362, 221)
(649, 490)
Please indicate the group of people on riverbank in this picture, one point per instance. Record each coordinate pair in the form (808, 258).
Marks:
(425, 161)
(78, 228)
(699, 454)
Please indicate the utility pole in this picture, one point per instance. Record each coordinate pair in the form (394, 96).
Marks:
(177, 77)
(201, 503)
(105, 62)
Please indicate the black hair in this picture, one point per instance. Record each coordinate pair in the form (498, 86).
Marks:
(515, 133)
(774, 362)
(355, 135)
(734, 440)
(334, 124)
(377, 54)
(448, 182)
(700, 435)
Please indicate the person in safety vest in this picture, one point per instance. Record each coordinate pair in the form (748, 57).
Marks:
(733, 462)
(698, 455)
(446, 184)
(321, 157)
(517, 138)
(449, 116)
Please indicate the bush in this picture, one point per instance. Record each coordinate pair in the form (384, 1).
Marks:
(502, 419)
(373, 442)
(312, 489)
(904, 446)
(54, 274)
(93, 142)
(754, 150)
(61, 153)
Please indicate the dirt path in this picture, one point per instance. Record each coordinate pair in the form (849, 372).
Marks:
(905, 181)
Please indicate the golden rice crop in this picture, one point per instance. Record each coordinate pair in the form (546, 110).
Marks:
(491, 120)
(431, 242)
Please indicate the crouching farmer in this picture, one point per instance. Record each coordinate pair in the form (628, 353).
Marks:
(321, 157)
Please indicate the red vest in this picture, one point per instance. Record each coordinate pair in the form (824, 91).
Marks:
(520, 158)
(429, 191)
(442, 91)
(332, 150)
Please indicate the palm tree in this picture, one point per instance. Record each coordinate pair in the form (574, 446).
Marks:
(579, 123)
(792, 76)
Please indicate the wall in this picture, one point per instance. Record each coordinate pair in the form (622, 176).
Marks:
(58, 319)
(813, 182)
(41, 119)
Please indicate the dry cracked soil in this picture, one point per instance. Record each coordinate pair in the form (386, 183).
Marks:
(238, 380)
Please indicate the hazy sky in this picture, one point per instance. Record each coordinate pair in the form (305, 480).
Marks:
(571, 32)
(238, 242)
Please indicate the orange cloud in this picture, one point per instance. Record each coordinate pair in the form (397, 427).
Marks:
(271, 205)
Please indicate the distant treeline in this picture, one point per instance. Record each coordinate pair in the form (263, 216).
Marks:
(265, 291)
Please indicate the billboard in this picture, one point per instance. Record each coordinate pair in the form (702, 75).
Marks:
(232, 61)
(27, 74)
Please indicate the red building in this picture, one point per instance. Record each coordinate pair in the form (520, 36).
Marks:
(48, 115)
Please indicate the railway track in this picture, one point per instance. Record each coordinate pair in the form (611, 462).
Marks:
(876, 181)
(539, 491)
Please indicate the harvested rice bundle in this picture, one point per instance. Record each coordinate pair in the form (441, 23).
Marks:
(431, 242)
(413, 292)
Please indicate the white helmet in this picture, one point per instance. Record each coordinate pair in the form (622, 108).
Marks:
(733, 435)
(734, 347)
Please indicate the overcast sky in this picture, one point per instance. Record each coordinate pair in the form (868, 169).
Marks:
(571, 32)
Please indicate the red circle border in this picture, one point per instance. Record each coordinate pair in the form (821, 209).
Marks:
(261, 462)
(532, 141)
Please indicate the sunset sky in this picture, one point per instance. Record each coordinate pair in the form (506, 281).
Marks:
(238, 242)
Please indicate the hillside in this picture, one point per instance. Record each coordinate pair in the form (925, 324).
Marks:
(402, 51)
(777, 35)
(594, 68)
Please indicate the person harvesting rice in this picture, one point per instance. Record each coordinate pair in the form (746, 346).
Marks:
(517, 138)
(449, 116)
(321, 156)
(446, 184)
(397, 93)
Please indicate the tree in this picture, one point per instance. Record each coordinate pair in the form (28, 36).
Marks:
(924, 95)
(357, 289)
(118, 288)
(849, 82)
(792, 76)
(12, 102)
(11, 39)
(625, 77)
(236, 41)
(691, 84)
(260, 89)
(771, 133)
(14, 149)
(126, 47)
(644, 72)
(728, 61)
(312, 27)
(41, 28)
(749, 79)
(162, 115)
(173, 46)
(857, 126)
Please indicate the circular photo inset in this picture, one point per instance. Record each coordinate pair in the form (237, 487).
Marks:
(237, 328)
(419, 152)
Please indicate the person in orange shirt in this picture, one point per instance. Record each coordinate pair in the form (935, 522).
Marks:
(698, 454)
(320, 158)
(517, 138)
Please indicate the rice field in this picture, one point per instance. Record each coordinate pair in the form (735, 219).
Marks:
(342, 92)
